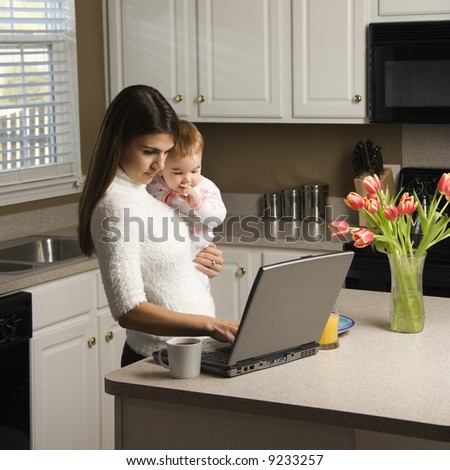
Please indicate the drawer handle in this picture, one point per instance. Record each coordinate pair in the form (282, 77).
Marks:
(91, 342)
(242, 271)
(357, 99)
(109, 336)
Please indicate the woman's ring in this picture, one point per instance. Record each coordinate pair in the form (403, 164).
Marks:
(213, 263)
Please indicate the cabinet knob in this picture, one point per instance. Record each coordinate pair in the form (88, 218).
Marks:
(179, 98)
(357, 99)
(242, 271)
(201, 98)
(91, 342)
(109, 336)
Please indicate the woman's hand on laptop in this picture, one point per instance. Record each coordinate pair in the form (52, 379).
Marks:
(224, 330)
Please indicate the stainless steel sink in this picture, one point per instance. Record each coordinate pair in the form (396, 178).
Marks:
(33, 252)
(15, 266)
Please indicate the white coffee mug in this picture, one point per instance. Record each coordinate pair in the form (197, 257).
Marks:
(184, 356)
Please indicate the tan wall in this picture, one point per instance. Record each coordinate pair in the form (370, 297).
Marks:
(242, 158)
(261, 158)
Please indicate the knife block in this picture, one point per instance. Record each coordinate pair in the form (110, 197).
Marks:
(387, 183)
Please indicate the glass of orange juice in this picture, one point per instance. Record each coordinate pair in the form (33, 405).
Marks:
(330, 338)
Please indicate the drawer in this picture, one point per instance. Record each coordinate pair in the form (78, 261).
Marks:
(60, 300)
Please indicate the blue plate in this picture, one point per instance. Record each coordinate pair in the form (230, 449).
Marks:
(345, 324)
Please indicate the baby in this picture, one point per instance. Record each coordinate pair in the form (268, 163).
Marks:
(182, 186)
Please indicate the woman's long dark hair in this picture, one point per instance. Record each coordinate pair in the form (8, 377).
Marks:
(137, 110)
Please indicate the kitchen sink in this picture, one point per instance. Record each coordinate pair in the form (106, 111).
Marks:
(15, 266)
(32, 252)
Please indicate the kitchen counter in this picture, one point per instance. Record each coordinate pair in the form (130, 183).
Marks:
(379, 389)
(243, 231)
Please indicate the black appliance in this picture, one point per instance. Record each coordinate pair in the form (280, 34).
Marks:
(409, 72)
(15, 333)
(370, 269)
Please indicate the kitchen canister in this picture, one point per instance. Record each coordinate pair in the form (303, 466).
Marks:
(291, 204)
(313, 197)
(272, 206)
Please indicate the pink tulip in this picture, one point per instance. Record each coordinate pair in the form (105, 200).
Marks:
(372, 184)
(354, 201)
(338, 228)
(371, 204)
(362, 237)
(390, 212)
(444, 185)
(407, 204)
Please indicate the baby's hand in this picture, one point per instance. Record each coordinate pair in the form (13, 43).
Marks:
(190, 196)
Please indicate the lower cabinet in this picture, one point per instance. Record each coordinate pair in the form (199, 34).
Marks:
(231, 288)
(75, 343)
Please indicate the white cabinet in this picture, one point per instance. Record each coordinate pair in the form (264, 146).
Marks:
(75, 343)
(210, 58)
(243, 51)
(231, 288)
(329, 58)
(111, 339)
(64, 387)
(154, 46)
(252, 61)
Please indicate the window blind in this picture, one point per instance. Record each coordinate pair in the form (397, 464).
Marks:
(38, 92)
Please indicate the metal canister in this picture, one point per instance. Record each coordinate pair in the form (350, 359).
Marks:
(313, 198)
(291, 204)
(272, 206)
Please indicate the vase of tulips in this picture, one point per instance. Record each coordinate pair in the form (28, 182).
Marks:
(392, 223)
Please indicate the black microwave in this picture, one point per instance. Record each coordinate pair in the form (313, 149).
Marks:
(409, 72)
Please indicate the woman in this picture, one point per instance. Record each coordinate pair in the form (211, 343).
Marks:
(142, 247)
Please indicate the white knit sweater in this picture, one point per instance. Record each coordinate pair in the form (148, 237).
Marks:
(143, 250)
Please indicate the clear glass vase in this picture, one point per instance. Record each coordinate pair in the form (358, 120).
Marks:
(407, 308)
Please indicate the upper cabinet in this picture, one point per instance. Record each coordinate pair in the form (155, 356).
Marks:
(329, 59)
(211, 59)
(243, 51)
(244, 61)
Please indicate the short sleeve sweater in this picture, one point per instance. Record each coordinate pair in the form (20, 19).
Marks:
(143, 250)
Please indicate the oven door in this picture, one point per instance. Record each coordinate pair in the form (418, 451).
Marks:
(15, 332)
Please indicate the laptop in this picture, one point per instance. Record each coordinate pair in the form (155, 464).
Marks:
(284, 317)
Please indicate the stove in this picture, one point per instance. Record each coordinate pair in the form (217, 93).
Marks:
(370, 268)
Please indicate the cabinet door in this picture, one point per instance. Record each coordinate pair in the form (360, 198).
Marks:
(243, 51)
(277, 255)
(329, 58)
(231, 288)
(157, 48)
(111, 339)
(64, 386)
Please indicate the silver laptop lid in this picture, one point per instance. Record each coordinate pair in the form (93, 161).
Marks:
(289, 305)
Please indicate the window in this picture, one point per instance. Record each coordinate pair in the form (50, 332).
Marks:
(39, 136)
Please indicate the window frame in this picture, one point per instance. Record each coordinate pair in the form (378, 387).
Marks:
(62, 177)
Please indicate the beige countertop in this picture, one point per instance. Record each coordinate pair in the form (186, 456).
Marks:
(376, 380)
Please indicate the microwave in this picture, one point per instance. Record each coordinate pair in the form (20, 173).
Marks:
(409, 72)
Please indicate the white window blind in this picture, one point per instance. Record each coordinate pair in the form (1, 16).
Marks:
(39, 136)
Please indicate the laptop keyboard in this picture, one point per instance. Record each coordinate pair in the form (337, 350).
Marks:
(219, 356)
